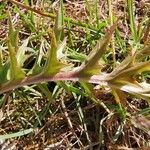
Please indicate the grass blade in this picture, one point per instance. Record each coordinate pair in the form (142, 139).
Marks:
(17, 134)
(132, 20)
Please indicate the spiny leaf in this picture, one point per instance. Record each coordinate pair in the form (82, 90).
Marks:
(15, 69)
(13, 34)
(11, 28)
(127, 68)
(121, 67)
(136, 69)
(139, 68)
(117, 98)
(125, 80)
(128, 63)
(91, 66)
(141, 90)
(52, 65)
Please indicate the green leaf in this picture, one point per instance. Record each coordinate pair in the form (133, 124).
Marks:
(88, 88)
(44, 89)
(15, 69)
(132, 20)
(37, 68)
(17, 134)
(3, 73)
(123, 77)
(138, 68)
(125, 80)
(13, 34)
(130, 72)
(91, 66)
(61, 48)
(27, 21)
(59, 22)
(21, 57)
(120, 68)
(52, 65)
(128, 68)
(141, 90)
(76, 56)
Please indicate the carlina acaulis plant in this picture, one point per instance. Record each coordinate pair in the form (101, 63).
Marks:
(12, 74)
(75, 74)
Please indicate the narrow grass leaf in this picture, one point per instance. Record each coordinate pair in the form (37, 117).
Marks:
(59, 22)
(120, 41)
(26, 20)
(77, 90)
(17, 134)
(44, 89)
(88, 88)
(36, 69)
(121, 99)
(132, 20)
(75, 56)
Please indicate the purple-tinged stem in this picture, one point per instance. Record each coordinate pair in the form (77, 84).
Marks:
(62, 76)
